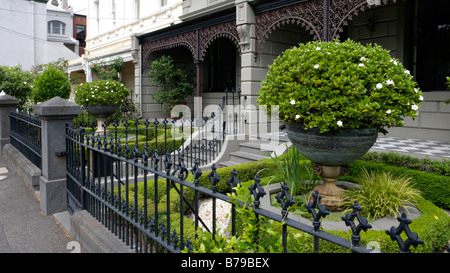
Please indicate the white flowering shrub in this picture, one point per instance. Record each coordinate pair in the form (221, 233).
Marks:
(329, 85)
(105, 92)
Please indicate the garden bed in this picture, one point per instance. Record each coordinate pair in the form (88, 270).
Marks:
(432, 226)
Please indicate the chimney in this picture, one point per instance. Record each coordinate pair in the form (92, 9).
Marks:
(64, 4)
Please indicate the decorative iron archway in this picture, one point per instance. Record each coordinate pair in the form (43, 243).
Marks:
(323, 19)
(197, 41)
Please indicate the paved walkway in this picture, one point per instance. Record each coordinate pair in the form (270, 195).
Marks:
(23, 226)
(435, 150)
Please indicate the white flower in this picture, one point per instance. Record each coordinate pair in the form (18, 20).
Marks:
(416, 90)
(293, 102)
(361, 65)
(414, 107)
(379, 86)
(297, 116)
(339, 123)
(420, 98)
(318, 48)
(362, 59)
(390, 82)
(388, 111)
(24, 82)
(407, 71)
(316, 66)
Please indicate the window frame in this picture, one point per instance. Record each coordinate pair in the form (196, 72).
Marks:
(51, 28)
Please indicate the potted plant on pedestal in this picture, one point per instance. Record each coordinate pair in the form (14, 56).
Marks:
(174, 83)
(335, 97)
(101, 98)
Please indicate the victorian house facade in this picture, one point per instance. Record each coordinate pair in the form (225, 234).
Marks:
(229, 44)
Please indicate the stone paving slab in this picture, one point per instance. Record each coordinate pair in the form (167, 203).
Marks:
(413, 147)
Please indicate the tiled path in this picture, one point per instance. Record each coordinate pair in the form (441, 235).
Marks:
(414, 147)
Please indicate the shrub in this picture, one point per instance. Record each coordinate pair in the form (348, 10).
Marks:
(296, 171)
(383, 193)
(51, 83)
(328, 85)
(16, 82)
(174, 83)
(108, 71)
(104, 92)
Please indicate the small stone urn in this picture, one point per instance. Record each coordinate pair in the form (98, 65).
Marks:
(101, 112)
(330, 153)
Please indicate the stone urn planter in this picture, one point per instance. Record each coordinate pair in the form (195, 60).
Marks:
(330, 153)
(330, 87)
(101, 112)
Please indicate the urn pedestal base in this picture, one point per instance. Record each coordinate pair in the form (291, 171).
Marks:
(331, 194)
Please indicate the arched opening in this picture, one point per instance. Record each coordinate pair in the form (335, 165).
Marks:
(281, 39)
(220, 67)
(183, 58)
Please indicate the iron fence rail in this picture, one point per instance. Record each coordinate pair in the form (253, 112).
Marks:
(151, 224)
(25, 135)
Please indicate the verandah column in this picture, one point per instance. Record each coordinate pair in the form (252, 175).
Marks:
(55, 114)
(252, 71)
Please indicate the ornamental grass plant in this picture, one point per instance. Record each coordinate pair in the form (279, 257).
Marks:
(382, 193)
(329, 85)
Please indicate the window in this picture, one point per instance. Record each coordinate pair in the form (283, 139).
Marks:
(81, 34)
(56, 28)
(163, 3)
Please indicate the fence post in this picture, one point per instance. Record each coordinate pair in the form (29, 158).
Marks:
(7, 104)
(55, 114)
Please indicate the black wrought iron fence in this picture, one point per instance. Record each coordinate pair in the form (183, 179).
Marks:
(149, 214)
(25, 135)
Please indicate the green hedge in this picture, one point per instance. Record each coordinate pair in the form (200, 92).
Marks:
(440, 167)
(162, 147)
(435, 188)
(245, 171)
(433, 227)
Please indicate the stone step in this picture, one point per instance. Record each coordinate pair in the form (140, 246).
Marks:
(228, 163)
(259, 147)
(279, 136)
(243, 157)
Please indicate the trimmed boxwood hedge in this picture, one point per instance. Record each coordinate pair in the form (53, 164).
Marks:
(433, 226)
(434, 187)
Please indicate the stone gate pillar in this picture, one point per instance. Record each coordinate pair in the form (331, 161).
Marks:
(55, 114)
(7, 104)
